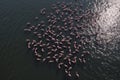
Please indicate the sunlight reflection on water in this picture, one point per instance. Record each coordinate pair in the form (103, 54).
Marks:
(109, 12)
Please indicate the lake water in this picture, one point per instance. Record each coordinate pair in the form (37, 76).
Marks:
(17, 62)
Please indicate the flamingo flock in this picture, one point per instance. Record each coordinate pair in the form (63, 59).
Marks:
(64, 37)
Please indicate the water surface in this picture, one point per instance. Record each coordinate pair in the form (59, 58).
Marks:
(17, 62)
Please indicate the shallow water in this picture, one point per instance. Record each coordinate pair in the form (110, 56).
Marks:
(17, 62)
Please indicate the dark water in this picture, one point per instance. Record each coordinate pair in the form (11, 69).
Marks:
(17, 63)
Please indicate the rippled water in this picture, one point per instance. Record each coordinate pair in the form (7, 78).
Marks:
(17, 63)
